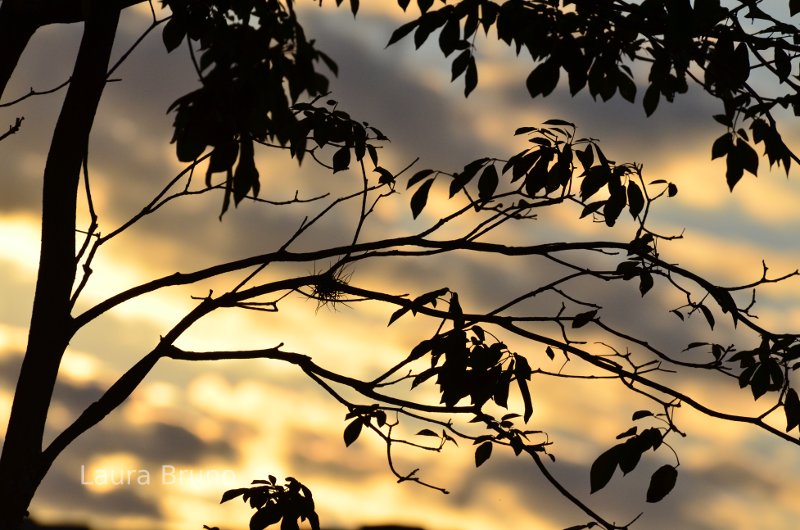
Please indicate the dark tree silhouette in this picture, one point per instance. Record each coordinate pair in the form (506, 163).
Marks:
(262, 86)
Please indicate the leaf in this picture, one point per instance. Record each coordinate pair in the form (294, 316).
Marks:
(418, 176)
(460, 64)
(550, 353)
(543, 79)
(386, 176)
(232, 494)
(427, 432)
(603, 469)
(341, 159)
(629, 432)
(707, 313)
(471, 77)
(397, 314)
(596, 177)
(722, 146)
(174, 32)
(651, 97)
(645, 282)
(586, 157)
(630, 454)
(791, 406)
(794, 7)
(672, 190)
(420, 198)
(661, 483)
(526, 397)
(639, 414)
(635, 199)
(482, 453)
(747, 156)
(559, 123)
(488, 182)
(402, 31)
(592, 208)
(449, 36)
(582, 319)
(352, 431)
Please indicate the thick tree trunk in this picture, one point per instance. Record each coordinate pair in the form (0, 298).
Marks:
(51, 327)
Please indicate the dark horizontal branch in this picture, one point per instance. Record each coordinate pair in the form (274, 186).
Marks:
(355, 251)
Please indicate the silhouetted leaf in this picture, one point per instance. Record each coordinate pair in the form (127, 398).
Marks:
(550, 353)
(639, 414)
(645, 282)
(341, 159)
(651, 97)
(386, 176)
(794, 7)
(397, 314)
(661, 483)
(582, 319)
(471, 77)
(586, 157)
(420, 198)
(449, 36)
(488, 182)
(791, 406)
(635, 199)
(559, 123)
(482, 453)
(174, 32)
(596, 177)
(402, 31)
(232, 494)
(603, 469)
(352, 431)
(709, 316)
(630, 453)
(629, 432)
(460, 64)
(591, 208)
(672, 190)
(543, 79)
(427, 432)
(418, 176)
(526, 397)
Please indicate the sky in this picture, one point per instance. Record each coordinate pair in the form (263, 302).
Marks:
(193, 430)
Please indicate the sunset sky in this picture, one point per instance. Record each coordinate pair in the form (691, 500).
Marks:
(226, 423)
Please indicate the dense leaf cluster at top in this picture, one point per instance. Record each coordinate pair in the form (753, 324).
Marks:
(255, 63)
(596, 43)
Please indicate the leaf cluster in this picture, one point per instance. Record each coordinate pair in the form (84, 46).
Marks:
(254, 64)
(626, 455)
(273, 503)
(595, 43)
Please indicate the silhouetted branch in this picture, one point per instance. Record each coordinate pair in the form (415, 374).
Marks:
(12, 129)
